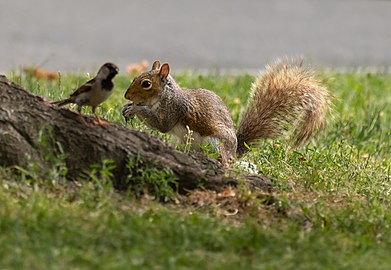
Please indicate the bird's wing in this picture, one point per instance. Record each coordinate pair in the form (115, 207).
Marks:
(84, 88)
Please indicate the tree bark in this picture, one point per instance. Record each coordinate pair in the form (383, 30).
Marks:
(24, 116)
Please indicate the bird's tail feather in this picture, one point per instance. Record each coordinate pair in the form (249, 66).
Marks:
(63, 102)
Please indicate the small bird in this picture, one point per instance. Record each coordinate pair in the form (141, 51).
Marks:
(93, 92)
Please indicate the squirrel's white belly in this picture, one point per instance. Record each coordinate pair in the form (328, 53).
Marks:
(182, 133)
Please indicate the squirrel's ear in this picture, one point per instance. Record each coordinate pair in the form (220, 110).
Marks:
(156, 65)
(164, 70)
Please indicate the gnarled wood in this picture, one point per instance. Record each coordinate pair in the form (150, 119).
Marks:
(23, 116)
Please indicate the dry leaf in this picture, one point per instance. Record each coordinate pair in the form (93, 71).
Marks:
(231, 212)
(137, 68)
(228, 192)
(41, 74)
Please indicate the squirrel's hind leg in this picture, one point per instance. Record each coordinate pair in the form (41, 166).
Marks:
(225, 144)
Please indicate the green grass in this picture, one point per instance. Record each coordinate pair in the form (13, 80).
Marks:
(332, 208)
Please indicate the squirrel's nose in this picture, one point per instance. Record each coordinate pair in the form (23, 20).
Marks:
(127, 94)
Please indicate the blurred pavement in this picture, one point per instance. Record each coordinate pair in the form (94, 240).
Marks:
(204, 34)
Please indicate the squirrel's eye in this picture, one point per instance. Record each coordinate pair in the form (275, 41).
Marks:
(146, 84)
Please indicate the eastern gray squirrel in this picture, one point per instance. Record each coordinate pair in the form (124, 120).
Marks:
(284, 96)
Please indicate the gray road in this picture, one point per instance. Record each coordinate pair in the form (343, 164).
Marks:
(225, 34)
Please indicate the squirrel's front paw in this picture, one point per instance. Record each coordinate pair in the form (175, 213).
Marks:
(128, 111)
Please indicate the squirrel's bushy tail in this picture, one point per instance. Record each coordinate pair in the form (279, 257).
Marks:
(285, 96)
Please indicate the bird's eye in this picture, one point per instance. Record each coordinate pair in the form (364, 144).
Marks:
(147, 84)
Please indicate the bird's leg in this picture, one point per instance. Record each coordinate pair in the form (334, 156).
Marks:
(82, 120)
(97, 120)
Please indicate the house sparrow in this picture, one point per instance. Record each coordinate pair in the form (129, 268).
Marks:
(93, 92)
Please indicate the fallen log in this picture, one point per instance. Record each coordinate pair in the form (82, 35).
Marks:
(24, 116)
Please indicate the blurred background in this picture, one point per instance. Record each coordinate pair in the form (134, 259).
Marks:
(221, 34)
